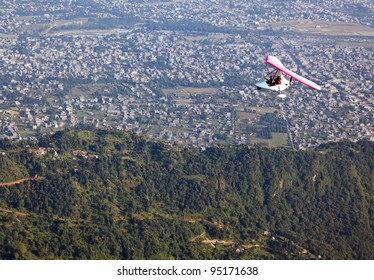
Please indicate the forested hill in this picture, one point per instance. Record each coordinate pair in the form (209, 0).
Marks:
(114, 195)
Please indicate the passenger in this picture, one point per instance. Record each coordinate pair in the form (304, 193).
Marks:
(278, 80)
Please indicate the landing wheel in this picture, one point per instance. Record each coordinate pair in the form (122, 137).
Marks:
(258, 88)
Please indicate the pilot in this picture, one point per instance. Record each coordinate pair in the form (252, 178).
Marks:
(270, 81)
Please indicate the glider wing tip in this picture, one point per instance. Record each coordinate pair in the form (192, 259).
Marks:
(269, 57)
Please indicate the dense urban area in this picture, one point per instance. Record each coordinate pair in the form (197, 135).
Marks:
(184, 71)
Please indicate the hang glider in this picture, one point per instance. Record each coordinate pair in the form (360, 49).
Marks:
(276, 80)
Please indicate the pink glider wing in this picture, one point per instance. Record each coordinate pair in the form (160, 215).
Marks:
(275, 62)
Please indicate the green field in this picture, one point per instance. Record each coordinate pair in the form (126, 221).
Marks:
(186, 91)
(278, 139)
(324, 27)
(80, 90)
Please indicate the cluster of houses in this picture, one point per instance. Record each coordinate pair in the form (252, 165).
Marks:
(117, 78)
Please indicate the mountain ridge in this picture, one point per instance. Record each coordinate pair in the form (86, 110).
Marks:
(114, 195)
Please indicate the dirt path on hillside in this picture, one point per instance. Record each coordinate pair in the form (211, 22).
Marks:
(35, 178)
(18, 214)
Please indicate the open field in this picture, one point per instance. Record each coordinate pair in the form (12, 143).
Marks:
(279, 139)
(264, 110)
(80, 90)
(93, 32)
(45, 28)
(246, 116)
(186, 91)
(324, 27)
(252, 113)
(210, 36)
(368, 44)
(78, 27)
(250, 117)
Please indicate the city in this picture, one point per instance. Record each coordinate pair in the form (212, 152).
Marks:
(184, 71)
